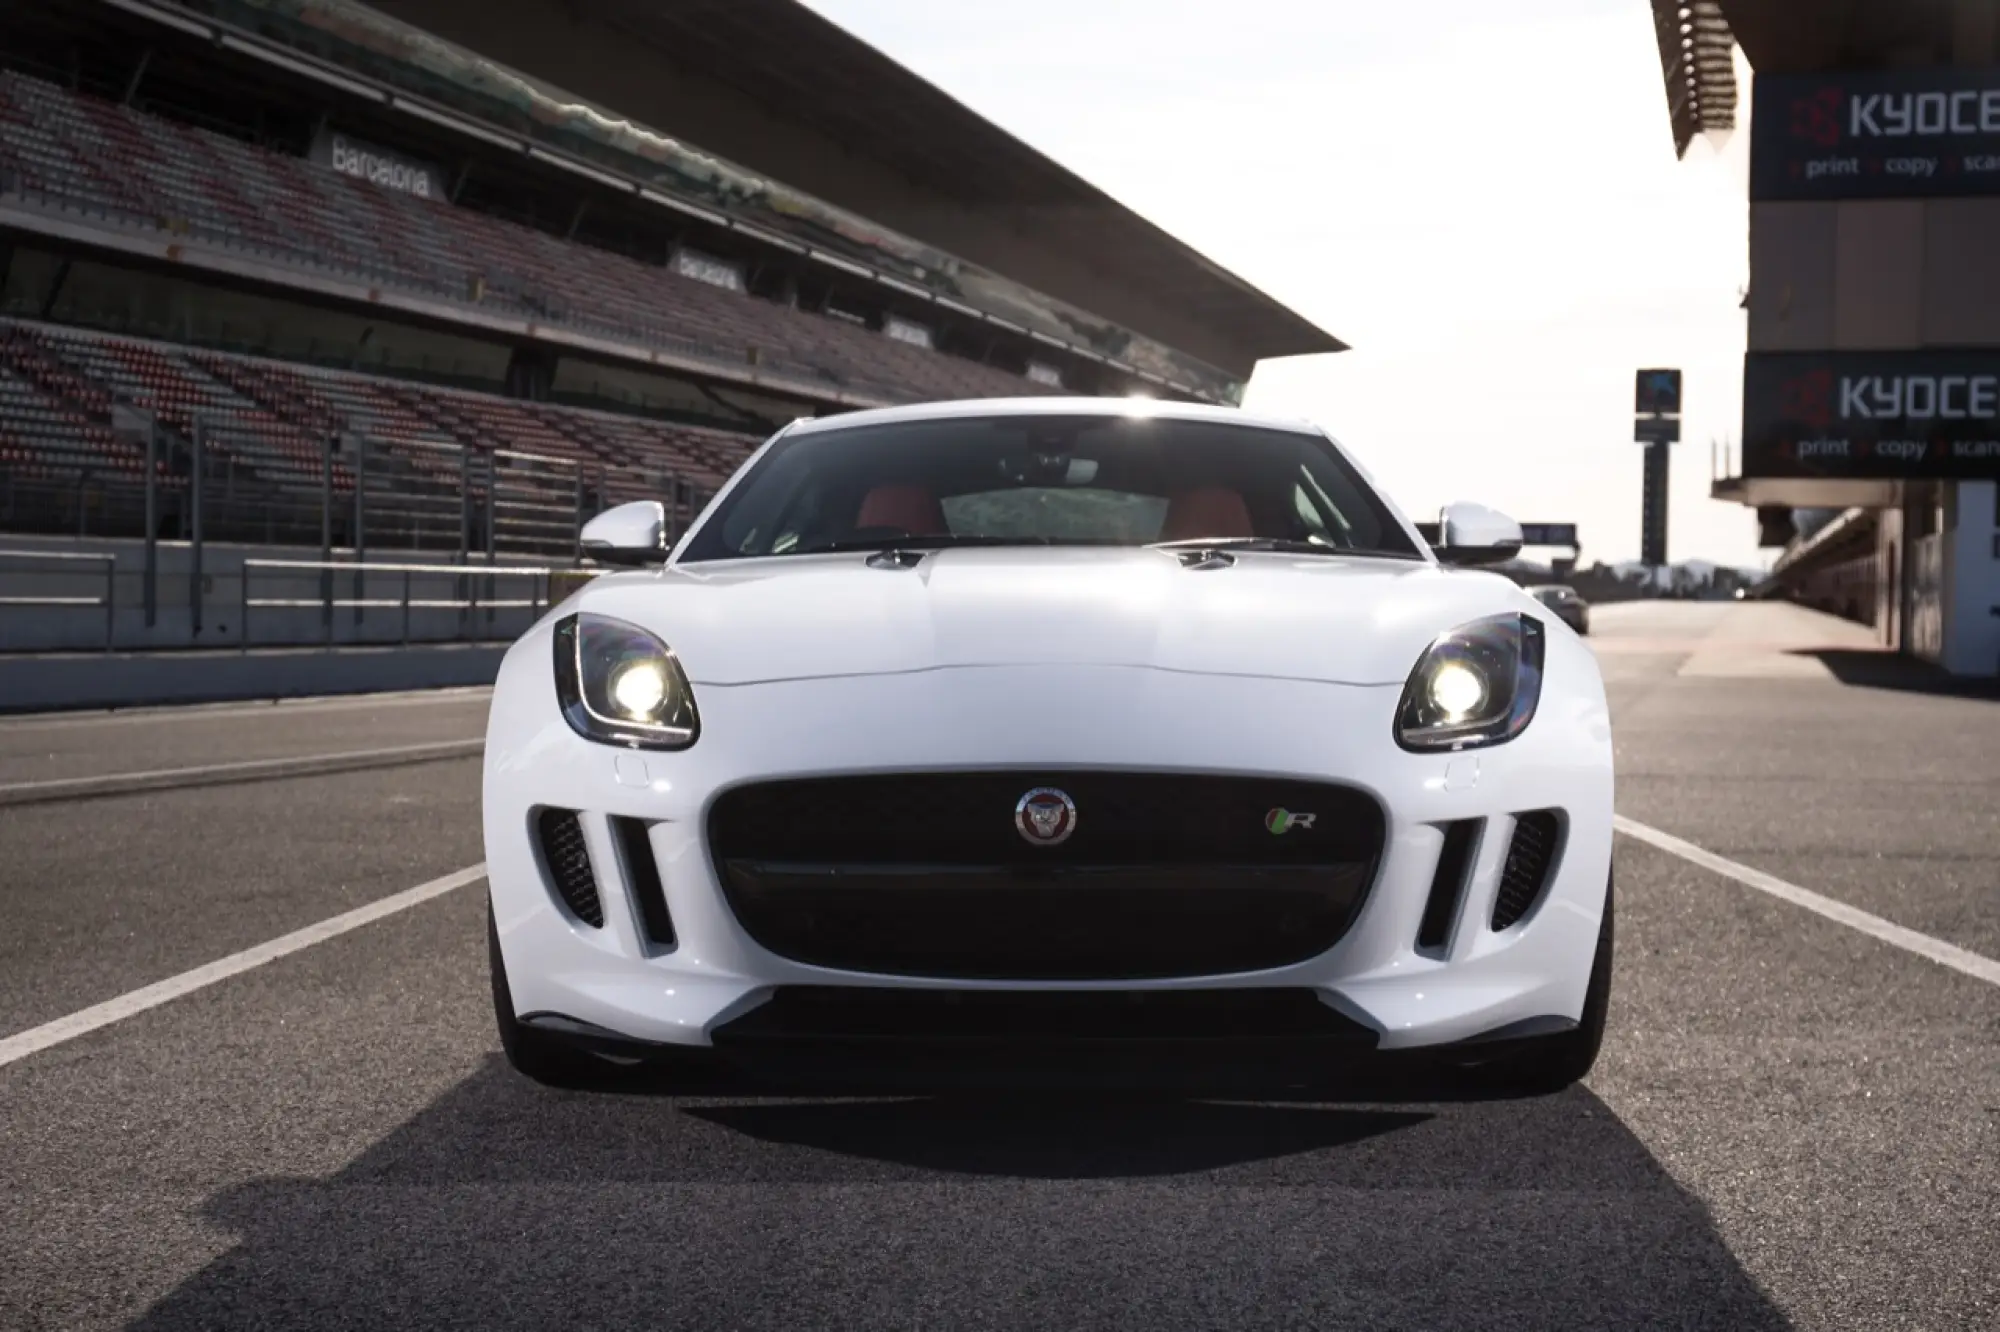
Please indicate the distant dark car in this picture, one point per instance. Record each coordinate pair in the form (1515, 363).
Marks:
(1563, 600)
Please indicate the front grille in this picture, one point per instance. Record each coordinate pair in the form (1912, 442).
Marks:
(1529, 858)
(568, 862)
(1162, 874)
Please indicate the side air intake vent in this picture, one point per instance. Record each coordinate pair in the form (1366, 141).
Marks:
(568, 859)
(1454, 867)
(1529, 858)
(642, 872)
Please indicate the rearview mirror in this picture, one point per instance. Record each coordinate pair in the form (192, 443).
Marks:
(1474, 534)
(633, 535)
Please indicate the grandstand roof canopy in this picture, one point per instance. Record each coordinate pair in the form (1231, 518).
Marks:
(1786, 37)
(803, 70)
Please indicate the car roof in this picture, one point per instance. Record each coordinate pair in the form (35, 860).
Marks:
(1156, 408)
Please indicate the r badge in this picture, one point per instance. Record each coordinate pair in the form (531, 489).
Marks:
(1282, 820)
(1045, 816)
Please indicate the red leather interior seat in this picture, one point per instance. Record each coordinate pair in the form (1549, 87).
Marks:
(911, 509)
(1208, 511)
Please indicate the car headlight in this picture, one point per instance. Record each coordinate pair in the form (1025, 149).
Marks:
(1477, 685)
(620, 685)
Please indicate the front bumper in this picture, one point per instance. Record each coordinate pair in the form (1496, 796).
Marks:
(1472, 982)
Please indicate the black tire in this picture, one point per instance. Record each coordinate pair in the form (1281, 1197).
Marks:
(536, 1054)
(1555, 1063)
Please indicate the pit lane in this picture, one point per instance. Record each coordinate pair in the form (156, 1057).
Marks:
(1794, 1123)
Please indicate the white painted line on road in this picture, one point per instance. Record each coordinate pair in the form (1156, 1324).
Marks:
(1937, 950)
(299, 765)
(85, 1021)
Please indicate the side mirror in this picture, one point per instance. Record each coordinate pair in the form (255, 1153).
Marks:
(633, 535)
(1474, 534)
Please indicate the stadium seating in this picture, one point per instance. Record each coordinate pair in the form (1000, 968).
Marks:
(142, 170)
(266, 425)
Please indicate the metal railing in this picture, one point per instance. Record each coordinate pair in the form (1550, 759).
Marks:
(106, 600)
(220, 482)
(467, 581)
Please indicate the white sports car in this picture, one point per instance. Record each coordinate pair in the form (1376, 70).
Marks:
(1099, 739)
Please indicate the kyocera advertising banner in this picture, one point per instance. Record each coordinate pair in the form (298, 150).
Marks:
(382, 166)
(1878, 135)
(1872, 414)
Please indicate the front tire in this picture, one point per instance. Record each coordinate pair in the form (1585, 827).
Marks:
(534, 1054)
(1556, 1063)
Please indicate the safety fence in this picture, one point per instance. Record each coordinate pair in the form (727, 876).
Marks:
(228, 482)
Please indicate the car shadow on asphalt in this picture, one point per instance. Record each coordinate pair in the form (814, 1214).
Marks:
(505, 1204)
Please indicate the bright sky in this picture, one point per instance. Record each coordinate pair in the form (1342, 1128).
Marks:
(1481, 199)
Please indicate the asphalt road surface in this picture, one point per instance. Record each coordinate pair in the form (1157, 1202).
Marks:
(1796, 1120)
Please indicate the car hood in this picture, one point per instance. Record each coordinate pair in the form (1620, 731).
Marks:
(1302, 617)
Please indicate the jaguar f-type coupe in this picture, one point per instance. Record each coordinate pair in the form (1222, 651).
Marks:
(1103, 739)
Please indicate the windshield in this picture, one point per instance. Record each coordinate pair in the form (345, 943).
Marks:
(1047, 480)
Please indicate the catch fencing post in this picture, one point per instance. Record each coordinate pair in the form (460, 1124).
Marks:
(464, 528)
(151, 590)
(197, 466)
(360, 443)
(326, 535)
(464, 504)
(492, 526)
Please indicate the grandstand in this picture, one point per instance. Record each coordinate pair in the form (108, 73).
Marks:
(279, 437)
(212, 321)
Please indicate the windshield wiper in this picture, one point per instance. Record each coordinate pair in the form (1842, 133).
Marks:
(1281, 545)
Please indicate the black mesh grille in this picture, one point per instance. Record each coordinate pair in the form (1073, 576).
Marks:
(642, 872)
(1529, 857)
(1454, 867)
(1123, 818)
(1162, 874)
(568, 859)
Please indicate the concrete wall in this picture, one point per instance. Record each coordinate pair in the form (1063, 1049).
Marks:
(1924, 601)
(116, 680)
(1889, 556)
(211, 613)
(1868, 274)
(1971, 542)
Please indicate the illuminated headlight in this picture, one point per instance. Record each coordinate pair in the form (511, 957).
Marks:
(621, 686)
(1477, 685)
